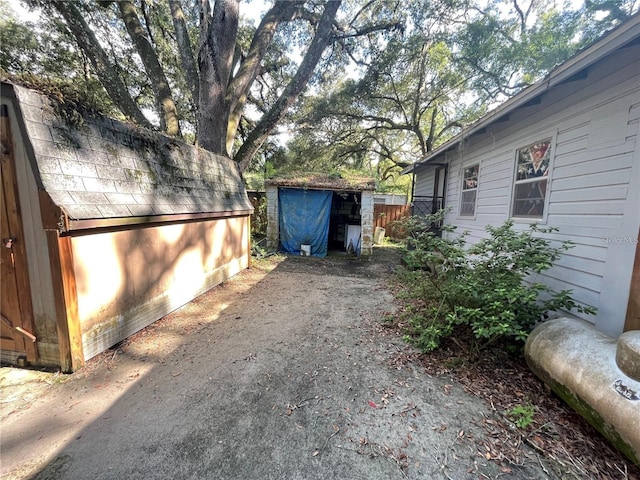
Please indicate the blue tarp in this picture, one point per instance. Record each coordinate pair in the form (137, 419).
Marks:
(304, 220)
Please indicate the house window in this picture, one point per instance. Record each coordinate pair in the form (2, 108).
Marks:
(469, 190)
(531, 180)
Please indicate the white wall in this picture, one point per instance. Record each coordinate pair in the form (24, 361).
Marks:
(593, 193)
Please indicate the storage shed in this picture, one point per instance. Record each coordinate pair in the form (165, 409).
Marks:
(106, 228)
(313, 214)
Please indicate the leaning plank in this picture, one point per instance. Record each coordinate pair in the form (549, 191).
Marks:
(65, 297)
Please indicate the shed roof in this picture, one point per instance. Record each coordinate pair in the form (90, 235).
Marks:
(324, 181)
(573, 68)
(106, 170)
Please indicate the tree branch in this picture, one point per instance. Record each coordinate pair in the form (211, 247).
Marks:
(389, 26)
(100, 62)
(159, 82)
(293, 90)
(184, 49)
(239, 86)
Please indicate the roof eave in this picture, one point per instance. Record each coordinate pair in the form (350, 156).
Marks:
(612, 41)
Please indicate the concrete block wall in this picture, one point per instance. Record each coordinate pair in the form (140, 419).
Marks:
(366, 212)
(273, 225)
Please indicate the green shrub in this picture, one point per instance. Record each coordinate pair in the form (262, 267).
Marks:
(487, 289)
(521, 415)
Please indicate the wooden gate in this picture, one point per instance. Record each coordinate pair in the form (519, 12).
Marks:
(16, 327)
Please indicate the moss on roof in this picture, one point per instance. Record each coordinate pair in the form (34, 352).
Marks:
(329, 181)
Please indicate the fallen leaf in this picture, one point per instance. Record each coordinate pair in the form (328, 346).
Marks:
(372, 404)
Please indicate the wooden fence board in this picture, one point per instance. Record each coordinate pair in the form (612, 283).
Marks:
(385, 215)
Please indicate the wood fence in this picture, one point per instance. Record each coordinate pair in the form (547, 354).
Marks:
(384, 215)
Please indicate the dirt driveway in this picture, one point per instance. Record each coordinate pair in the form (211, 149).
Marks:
(283, 372)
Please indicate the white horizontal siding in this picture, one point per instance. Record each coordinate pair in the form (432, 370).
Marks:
(617, 177)
(573, 140)
(582, 295)
(424, 181)
(490, 198)
(599, 207)
(593, 192)
(607, 192)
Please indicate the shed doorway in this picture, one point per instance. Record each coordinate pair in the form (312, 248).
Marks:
(318, 222)
(17, 337)
(345, 226)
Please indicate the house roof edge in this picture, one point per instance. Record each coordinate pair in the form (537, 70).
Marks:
(611, 41)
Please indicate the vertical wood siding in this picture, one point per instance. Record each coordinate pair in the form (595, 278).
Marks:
(385, 215)
(42, 297)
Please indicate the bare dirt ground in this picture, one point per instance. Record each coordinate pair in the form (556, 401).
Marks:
(286, 372)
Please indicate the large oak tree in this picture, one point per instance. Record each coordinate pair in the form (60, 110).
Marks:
(198, 52)
(453, 61)
(390, 77)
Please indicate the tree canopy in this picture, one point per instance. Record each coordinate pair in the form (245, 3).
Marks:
(361, 84)
(452, 63)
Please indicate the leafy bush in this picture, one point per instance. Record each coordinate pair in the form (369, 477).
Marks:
(522, 415)
(487, 289)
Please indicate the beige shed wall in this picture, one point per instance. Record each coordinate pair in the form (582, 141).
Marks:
(128, 279)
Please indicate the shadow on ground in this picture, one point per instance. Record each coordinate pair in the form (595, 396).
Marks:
(283, 372)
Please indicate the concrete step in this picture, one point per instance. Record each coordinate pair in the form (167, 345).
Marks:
(628, 354)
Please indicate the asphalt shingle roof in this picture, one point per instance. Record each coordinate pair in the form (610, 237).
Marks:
(103, 168)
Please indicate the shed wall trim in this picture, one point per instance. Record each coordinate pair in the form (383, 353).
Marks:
(77, 226)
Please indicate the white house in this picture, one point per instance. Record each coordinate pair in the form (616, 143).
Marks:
(106, 228)
(565, 153)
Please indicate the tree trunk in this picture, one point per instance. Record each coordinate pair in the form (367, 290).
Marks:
(184, 49)
(282, 11)
(104, 69)
(215, 58)
(152, 66)
(293, 90)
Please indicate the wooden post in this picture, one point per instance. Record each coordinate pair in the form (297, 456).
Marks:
(248, 227)
(66, 301)
(632, 321)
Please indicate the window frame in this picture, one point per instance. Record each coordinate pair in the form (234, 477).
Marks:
(475, 189)
(544, 177)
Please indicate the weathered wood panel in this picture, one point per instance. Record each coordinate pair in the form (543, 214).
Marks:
(632, 320)
(15, 265)
(66, 304)
(35, 242)
(385, 215)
